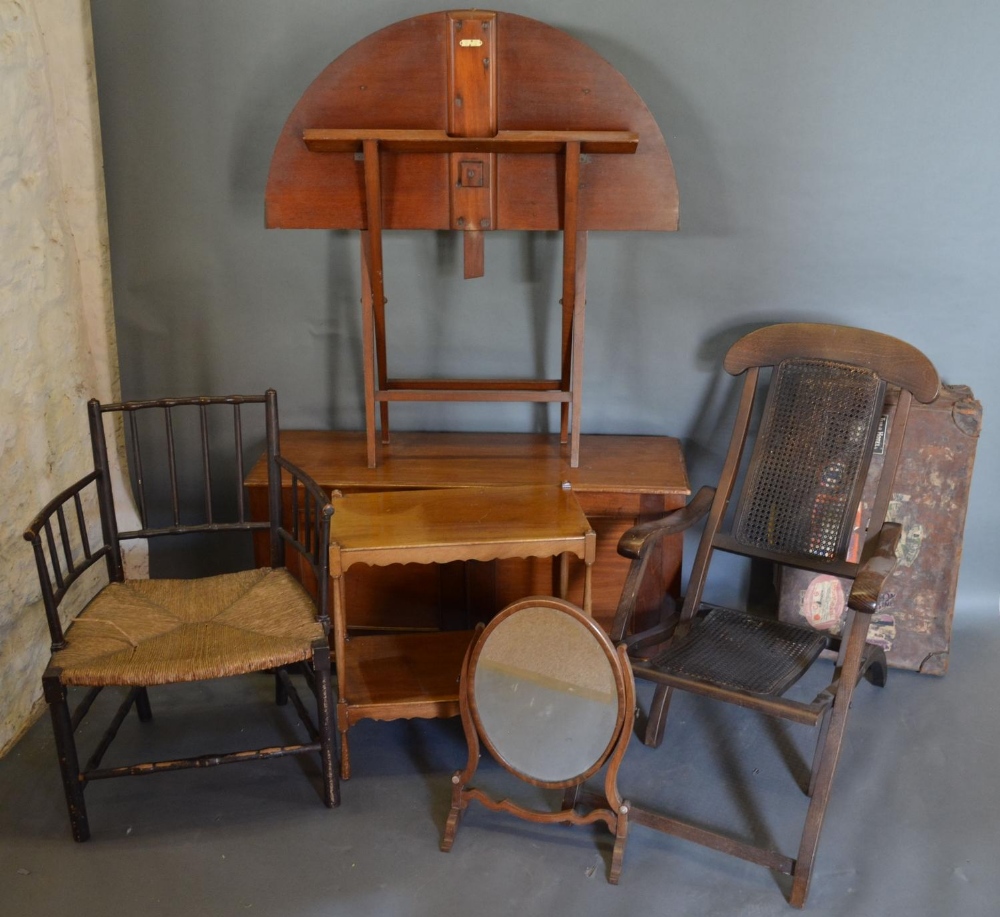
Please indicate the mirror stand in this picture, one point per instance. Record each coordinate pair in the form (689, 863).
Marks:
(544, 689)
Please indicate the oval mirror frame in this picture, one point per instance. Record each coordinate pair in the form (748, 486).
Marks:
(541, 685)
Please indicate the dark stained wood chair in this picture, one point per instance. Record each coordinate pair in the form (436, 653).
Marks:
(794, 501)
(137, 633)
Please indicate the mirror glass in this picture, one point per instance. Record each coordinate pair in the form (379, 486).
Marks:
(545, 695)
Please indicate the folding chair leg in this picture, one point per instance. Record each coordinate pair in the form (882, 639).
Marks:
(327, 732)
(656, 720)
(824, 729)
(825, 766)
(69, 765)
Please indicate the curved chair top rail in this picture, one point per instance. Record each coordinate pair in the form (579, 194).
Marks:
(894, 360)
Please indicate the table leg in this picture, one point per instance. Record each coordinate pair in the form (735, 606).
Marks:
(589, 556)
(339, 648)
(345, 754)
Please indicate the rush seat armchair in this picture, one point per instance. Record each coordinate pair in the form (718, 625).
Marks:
(141, 633)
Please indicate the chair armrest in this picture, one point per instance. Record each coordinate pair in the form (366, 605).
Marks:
(637, 544)
(638, 539)
(652, 636)
(870, 581)
(61, 538)
(308, 528)
(38, 524)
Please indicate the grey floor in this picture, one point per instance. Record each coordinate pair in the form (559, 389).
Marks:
(912, 829)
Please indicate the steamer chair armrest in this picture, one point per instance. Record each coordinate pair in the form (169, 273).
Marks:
(870, 661)
(638, 539)
(652, 636)
(637, 543)
(874, 572)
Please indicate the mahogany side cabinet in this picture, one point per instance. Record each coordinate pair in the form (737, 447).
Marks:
(620, 480)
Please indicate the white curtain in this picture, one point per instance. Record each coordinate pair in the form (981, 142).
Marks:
(56, 317)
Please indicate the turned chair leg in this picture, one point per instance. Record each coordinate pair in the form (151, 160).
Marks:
(327, 732)
(142, 707)
(280, 693)
(69, 765)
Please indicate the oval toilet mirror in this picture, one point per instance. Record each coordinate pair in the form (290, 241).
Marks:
(546, 694)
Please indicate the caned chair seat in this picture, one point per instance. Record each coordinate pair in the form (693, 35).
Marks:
(162, 631)
(739, 651)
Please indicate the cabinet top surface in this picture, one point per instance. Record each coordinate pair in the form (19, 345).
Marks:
(608, 464)
(542, 519)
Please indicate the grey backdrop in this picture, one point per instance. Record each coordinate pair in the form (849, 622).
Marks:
(836, 161)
